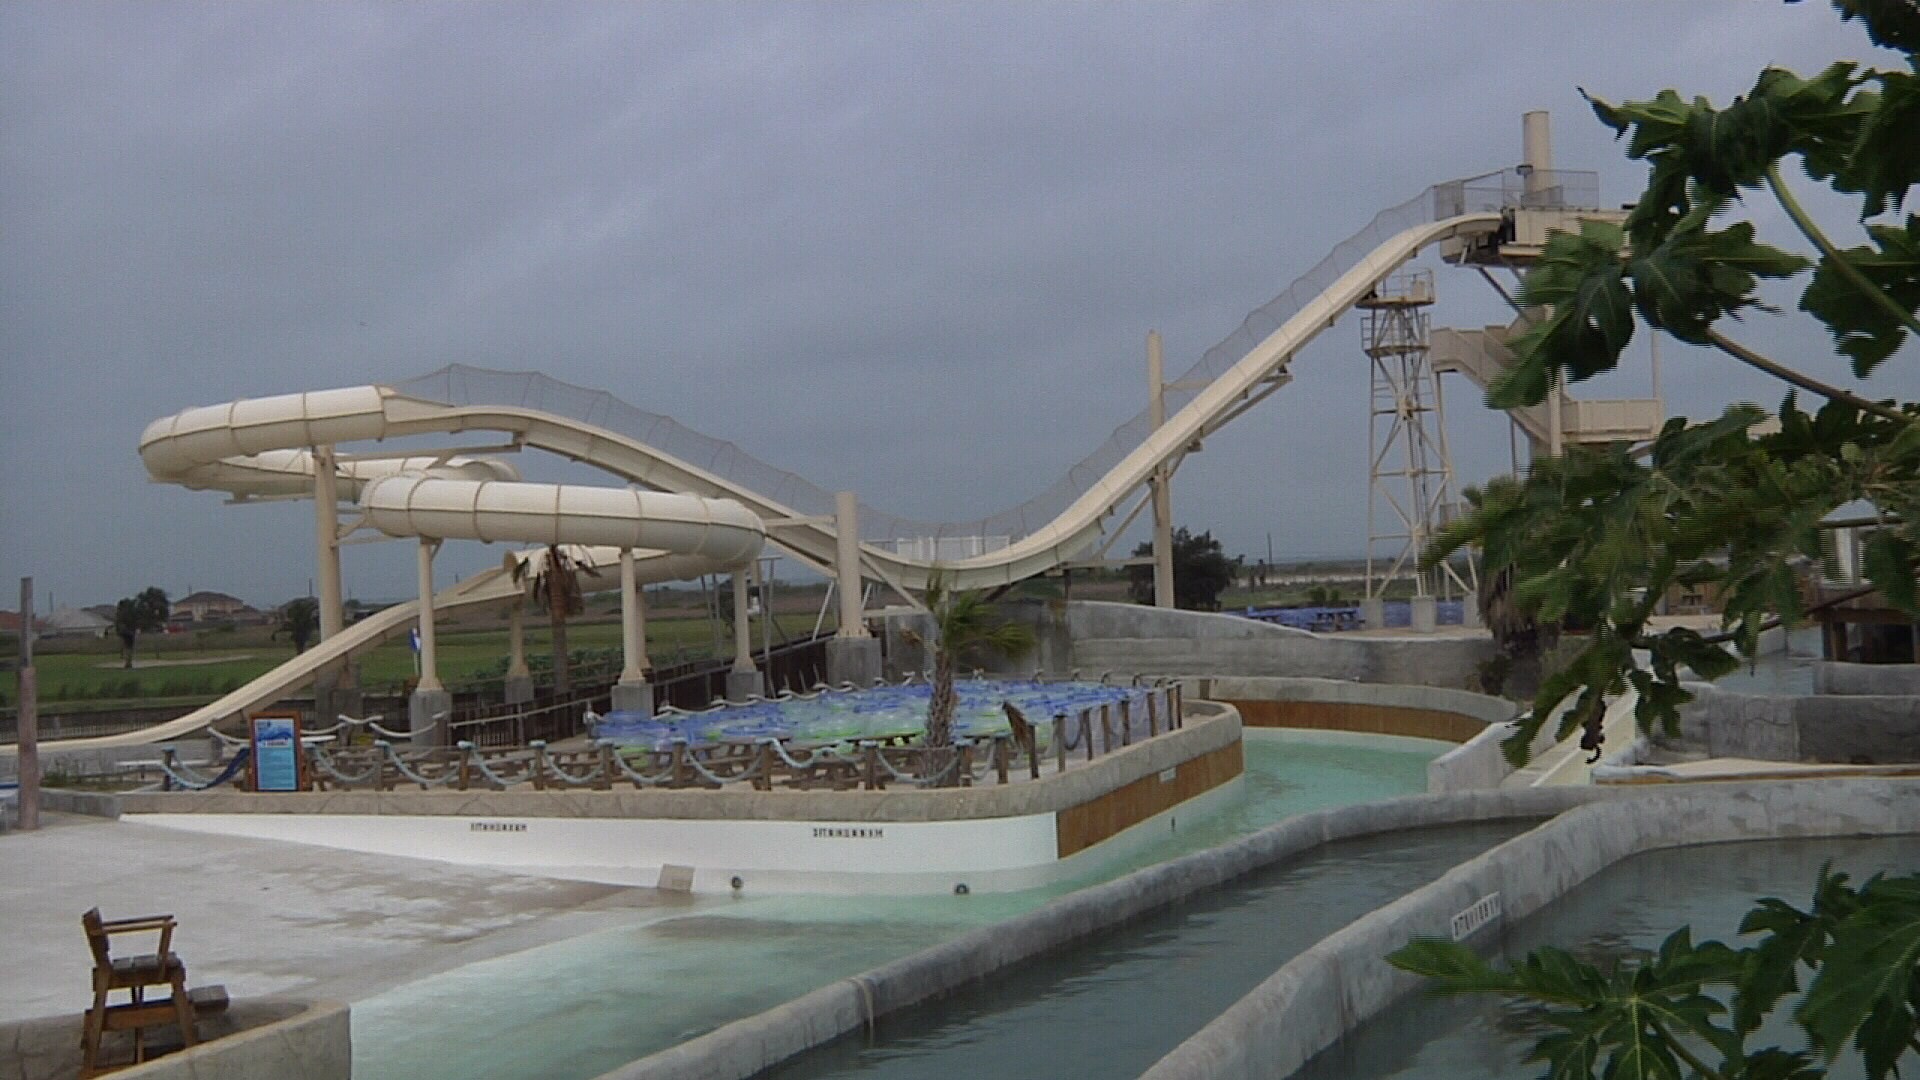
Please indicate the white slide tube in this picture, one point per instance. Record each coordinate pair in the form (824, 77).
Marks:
(257, 447)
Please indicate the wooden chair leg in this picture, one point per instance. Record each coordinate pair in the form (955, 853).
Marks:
(183, 1009)
(139, 994)
(90, 1036)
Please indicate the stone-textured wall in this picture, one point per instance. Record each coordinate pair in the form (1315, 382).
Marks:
(1831, 729)
(1093, 637)
(1833, 677)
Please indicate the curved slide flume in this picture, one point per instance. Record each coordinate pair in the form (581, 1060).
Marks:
(200, 447)
(260, 446)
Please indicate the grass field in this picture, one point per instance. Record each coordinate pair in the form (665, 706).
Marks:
(86, 674)
(77, 678)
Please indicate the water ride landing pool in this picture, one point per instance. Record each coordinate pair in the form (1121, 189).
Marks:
(1115, 767)
(577, 1008)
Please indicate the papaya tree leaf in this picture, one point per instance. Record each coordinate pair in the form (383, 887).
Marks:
(1862, 329)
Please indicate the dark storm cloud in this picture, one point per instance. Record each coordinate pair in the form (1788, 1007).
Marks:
(906, 249)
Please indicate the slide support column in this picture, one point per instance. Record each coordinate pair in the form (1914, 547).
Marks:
(430, 709)
(853, 655)
(632, 693)
(744, 680)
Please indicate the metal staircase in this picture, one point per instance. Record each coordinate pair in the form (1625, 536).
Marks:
(1481, 355)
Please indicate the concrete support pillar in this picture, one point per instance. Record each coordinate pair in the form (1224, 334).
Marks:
(1469, 611)
(632, 693)
(853, 655)
(327, 541)
(1373, 614)
(633, 624)
(429, 653)
(431, 707)
(334, 691)
(744, 679)
(1425, 615)
(846, 569)
(742, 631)
(519, 687)
(1163, 595)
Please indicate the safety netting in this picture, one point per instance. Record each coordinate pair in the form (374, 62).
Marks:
(464, 385)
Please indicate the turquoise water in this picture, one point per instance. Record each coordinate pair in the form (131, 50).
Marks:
(580, 1007)
(1630, 907)
(1113, 1006)
(882, 710)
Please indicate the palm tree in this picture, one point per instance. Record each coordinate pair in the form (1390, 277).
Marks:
(961, 621)
(299, 620)
(555, 586)
(1521, 642)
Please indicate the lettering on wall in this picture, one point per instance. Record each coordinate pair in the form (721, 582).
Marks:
(840, 832)
(497, 826)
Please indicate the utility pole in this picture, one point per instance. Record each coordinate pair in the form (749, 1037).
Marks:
(29, 734)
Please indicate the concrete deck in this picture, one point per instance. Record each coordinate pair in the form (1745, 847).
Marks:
(268, 918)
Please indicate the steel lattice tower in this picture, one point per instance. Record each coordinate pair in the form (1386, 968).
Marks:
(1410, 472)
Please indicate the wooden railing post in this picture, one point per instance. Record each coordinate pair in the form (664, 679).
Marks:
(1060, 740)
(1153, 716)
(1126, 721)
(1086, 731)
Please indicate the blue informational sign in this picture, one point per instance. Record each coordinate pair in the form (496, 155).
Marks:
(276, 753)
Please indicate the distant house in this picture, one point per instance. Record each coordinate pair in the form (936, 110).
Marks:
(203, 605)
(10, 622)
(75, 622)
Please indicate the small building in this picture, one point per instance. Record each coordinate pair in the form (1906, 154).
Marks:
(203, 605)
(75, 622)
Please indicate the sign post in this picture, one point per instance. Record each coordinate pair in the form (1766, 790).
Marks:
(277, 763)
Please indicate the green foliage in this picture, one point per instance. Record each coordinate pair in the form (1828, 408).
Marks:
(1665, 1015)
(1201, 572)
(962, 621)
(299, 620)
(1865, 331)
(145, 612)
(1596, 537)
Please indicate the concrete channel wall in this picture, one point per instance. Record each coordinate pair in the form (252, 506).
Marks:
(1477, 721)
(1340, 983)
(754, 1044)
(1833, 677)
(1093, 637)
(1157, 641)
(1851, 729)
(266, 1037)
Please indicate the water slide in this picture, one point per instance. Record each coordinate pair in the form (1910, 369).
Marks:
(709, 511)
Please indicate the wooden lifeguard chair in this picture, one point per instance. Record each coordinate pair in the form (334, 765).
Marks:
(133, 974)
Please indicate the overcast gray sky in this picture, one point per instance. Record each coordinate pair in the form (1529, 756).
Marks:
(907, 249)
